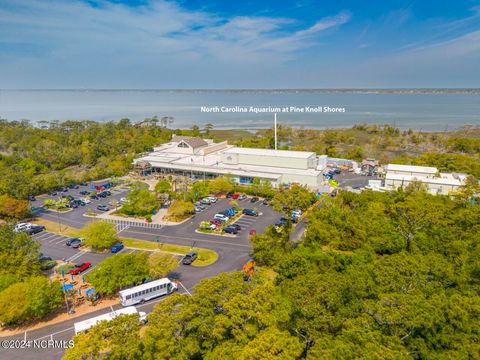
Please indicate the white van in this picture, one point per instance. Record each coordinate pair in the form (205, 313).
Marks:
(221, 217)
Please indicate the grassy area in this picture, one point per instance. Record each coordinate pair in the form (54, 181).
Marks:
(57, 228)
(205, 257)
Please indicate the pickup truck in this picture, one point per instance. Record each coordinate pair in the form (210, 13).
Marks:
(79, 268)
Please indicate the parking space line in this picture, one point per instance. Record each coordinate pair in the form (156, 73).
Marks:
(76, 256)
(55, 239)
(51, 236)
(55, 333)
(61, 241)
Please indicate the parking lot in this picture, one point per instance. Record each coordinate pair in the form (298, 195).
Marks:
(75, 217)
(54, 245)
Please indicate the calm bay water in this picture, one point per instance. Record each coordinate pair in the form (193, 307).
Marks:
(417, 111)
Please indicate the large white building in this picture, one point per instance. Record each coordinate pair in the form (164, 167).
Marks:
(201, 158)
(437, 183)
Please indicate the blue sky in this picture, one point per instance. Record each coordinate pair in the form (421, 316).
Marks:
(239, 44)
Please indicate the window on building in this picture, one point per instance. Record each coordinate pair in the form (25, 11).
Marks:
(182, 145)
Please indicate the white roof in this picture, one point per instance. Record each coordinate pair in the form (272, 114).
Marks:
(145, 286)
(87, 324)
(428, 180)
(270, 152)
(412, 168)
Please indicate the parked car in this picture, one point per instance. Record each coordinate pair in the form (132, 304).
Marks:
(44, 258)
(212, 199)
(73, 186)
(116, 248)
(216, 222)
(107, 192)
(229, 195)
(94, 197)
(102, 194)
(123, 200)
(32, 198)
(205, 201)
(230, 229)
(266, 202)
(86, 200)
(221, 217)
(200, 205)
(76, 244)
(64, 189)
(52, 193)
(235, 196)
(281, 222)
(70, 241)
(83, 183)
(197, 209)
(189, 258)
(254, 199)
(84, 192)
(34, 229)
(242, 197)
(73, 205)
(250, 212)
(22, 227)
(103, 208)
(212, 226)
(79, 268)
(237, 226)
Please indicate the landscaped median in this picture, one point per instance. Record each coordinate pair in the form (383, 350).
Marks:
(205, 257)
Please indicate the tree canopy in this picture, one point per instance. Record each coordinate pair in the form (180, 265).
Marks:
(99, 235)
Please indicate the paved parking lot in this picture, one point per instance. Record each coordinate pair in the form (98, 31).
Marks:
(75, 217)
(53, 245)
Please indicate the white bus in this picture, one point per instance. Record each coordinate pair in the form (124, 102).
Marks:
(87, 324)
(147, 291)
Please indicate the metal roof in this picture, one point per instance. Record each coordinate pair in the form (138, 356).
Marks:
(193, 142)
(412, 168)
(270, 152)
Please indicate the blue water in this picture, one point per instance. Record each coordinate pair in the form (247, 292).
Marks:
(415, 111)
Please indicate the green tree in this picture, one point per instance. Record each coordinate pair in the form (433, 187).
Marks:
(141, 202)
(99, 235)
(221, 184)
(119, 271)
(33, 298)
(163, 186)
(118, 338)
(179, 210)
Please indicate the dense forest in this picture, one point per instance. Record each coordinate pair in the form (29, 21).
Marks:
(377, 276)
(33, 159)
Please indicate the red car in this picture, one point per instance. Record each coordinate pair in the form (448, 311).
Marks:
(79, 268)
(216, 222)
(235, 196)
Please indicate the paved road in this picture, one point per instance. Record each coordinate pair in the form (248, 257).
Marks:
(233, 252)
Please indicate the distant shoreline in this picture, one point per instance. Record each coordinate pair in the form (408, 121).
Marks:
(466, 91)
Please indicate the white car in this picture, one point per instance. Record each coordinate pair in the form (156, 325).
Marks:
(221, 217)
(212, 199)
(86, 200)
(123, 200)
(212, 226)
(22, 227)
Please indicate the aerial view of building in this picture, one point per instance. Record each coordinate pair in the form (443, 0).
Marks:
(205, 159)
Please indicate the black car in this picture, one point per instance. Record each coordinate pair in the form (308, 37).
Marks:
(84, 192)
(44, 258)
(69, 197)
(64, 189)
(108, 193)
(83, 183)
(238, 227)
(250, 212)
(52, 193)
(35, 229)
(230, 229)
(254, 199)
(94, 197)
(102, 194)
(229, 195)
(70, 241)
(32, 198)
(189, 258)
